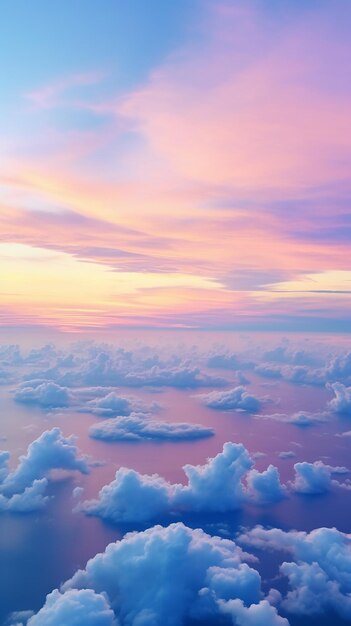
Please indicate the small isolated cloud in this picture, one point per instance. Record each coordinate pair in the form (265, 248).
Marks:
(315, 478)
(24, 488)
(44, 394)
(287, 454)
(232, 399)
(139, 427)
(300, 418)
(342, 401)
(319, 575)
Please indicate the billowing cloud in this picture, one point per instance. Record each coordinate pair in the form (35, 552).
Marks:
(319, 575)
(314, 478)
(339, 368)
(139, 427)
(233, 399)
(217, 486)
(178, 574)
(297, 368)
(45, 394)
(342, 401)
(111, 404)
(106, 366)
(24, 488)
(32, 498)
(260, 614)
(265, 487)
(74, 607)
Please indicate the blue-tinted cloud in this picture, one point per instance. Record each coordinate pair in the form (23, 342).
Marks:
(342, 401)
(319, 575)
(314, 478)
(300, 418)
(139, 427)
(74, 607)
(217, 486)
(265, 487)
(24, 488)
(232, 399)
(261, 614)
(45, 394)
(169, 575)
(32, 498)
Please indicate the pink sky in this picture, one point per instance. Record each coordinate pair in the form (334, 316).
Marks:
(211, 193)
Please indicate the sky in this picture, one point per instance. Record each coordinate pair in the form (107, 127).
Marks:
(175, 164)
(176, 479)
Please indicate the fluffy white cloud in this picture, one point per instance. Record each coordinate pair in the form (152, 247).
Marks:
(139, 427)
(121, 368)
(169, 575)
(73, 608)
(265, 487)
(319, 575)
(110, 404)
(24, 488)
(216, 486)
(232, 399)
(96, 400)
(339, 368)
(314, 478)
(296, 368)
(45, 394)
(342, 401)
(261, 614)
(32, 498)
(132, 497)
(268, 371)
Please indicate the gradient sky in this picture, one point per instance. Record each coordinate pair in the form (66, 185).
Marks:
(180, 164)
